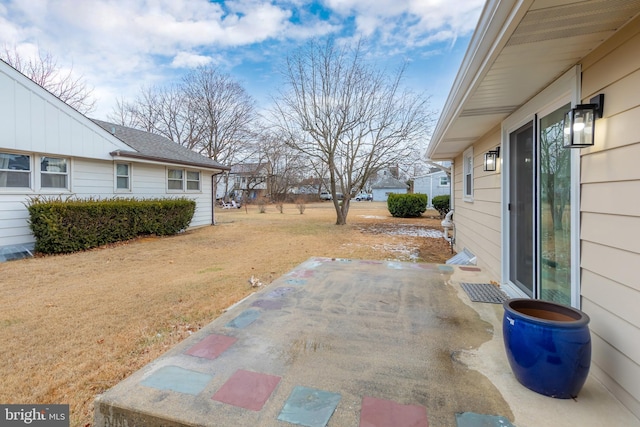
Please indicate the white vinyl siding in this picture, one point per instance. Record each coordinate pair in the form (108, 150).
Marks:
(610, 211)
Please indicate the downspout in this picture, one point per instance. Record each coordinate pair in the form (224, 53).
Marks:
(213, 200)
(213, 197)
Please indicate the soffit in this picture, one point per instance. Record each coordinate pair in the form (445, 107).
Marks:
(550, 38)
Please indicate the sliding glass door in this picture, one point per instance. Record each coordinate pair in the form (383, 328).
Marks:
(539, 209)
(555, 209)
(522, 209)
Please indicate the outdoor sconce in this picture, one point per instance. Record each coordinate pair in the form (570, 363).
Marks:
(579, 123)
(491, 160)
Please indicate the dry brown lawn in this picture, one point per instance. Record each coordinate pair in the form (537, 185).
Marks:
(72, 326)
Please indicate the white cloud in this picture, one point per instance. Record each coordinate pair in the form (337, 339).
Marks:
(411, 23)
(119, 45)
(190, 60)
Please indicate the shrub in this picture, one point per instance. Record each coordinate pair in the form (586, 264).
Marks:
(407, 205)
(64, 226)
(441, 204)
(300, 204)
(262, 205)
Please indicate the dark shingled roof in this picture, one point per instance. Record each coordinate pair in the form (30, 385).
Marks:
(149, 146)
(389, 182)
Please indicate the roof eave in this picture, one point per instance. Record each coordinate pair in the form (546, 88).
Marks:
(497, 22)
(136, 155)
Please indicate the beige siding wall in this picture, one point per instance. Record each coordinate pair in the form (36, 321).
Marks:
(478, 222)
(610, 214)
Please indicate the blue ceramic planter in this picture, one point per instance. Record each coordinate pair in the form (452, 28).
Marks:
(548, 346)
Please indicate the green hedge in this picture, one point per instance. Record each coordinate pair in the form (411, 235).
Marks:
(407, 205)
(441, 204)
(64, 226)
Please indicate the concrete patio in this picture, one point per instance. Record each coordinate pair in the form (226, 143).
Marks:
(340, 342)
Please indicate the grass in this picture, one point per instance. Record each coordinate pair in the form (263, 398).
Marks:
(72, 326)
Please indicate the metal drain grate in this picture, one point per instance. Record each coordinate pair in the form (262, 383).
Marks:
(484, 292)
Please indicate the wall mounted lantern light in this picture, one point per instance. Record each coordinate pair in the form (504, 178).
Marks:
(579, 123)
(491, 160)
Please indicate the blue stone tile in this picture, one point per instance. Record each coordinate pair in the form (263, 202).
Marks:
(445, 268)
(177, 379)
(470, 419)
(309, 407)
(244, 319)
(266, 304)
(297, 281)
(279, 292)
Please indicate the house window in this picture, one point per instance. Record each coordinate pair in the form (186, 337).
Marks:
(444, 181)
(123, 176)
(193, 181)
(467, 175)
(15, 170)
(174, 179)
(54, 172)
(180, 179)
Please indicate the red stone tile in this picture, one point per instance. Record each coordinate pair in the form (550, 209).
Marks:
(249, 390)
(212, 346)
(386, 413)
(470, 269)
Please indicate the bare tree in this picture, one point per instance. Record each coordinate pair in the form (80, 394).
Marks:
(283, 164)
(44, 71)
(348, 115)
(225, 112)
(207, 111)
(555, 163)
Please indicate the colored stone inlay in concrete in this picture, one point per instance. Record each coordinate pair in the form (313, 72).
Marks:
(244, 319)
(386, 413)
(445, 269)
(267, 304)
(297, 282)
(394, 265)
(246, 389)
(177, 379)
(470, 419)
(304, 274)
(463, 268)
(212, 346)
(313, 263)
(279, 292)
(370, 262)
(309, 407)
(420, 266)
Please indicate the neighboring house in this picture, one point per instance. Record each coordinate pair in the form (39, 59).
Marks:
(49, 149)
(249, 180)
(435, 183)
(385, 185)
(554, 223)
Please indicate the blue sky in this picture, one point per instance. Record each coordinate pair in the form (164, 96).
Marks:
(121, 45)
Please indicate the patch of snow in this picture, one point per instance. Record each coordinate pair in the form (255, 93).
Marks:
(405, 230)
(372, 217)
